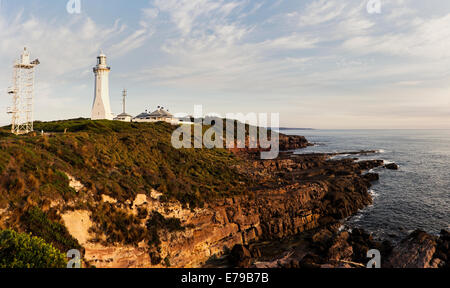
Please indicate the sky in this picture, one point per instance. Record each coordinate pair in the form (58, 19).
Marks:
(327, 64)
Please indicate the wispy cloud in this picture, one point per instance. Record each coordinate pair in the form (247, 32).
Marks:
(425, 38)
(317, 61)
(322, 11)
(66, 51)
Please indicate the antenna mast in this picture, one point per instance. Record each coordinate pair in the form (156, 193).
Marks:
(22, 93)
(124, 95)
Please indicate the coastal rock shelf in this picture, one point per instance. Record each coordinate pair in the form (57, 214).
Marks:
(293, 195)
(331, 248)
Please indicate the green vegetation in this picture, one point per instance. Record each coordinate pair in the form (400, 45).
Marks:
(18, 250)
(36, 222)
(118, 225)
(155, 223)
(116, 159)
(110, 158)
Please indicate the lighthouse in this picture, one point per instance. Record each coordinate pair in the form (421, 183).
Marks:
(101, 109)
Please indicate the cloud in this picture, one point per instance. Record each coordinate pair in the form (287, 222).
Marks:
(304, 57)
(61, 48)
(425, 38)
(66, 51)
(213, 49)
(188, 13)
(321, 11)
(294, 41)
(150, 13)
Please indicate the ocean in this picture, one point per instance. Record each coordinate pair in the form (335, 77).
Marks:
(417, 196)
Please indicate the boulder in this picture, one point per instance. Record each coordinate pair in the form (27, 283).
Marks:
(391, 166)
(341, 249)
(416, 251)
(310, 261)
(240, 256)
(371, 177)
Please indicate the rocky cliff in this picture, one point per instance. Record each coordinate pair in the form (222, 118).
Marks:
(294, 194)
(123, 196)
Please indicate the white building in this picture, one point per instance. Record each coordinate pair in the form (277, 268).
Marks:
(124, 116)
(101, 108)
(156, 116)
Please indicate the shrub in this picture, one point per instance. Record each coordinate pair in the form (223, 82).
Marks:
(154, 224)
(36, 222)
(19, 250)
(117, 224)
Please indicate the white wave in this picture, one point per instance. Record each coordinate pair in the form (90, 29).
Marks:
(365, 159)
(373, 193)
(338, 157)
(357, 217)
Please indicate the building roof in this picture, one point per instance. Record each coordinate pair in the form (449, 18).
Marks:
(124, 115)
(160, 113)
(143, 115)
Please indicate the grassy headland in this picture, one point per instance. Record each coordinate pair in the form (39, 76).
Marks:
(111, 158)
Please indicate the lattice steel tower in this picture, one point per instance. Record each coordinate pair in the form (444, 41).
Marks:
(22, 92)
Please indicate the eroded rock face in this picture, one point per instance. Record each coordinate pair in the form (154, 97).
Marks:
(341, 250)
(323, 248)
(286, 143)
(421, 250)
(217, 228)
(240, 256)
(295, 194)
(302, 196)
(331, 248)
(78, 223)
(292, 142)
(116, 256)
(442, 255)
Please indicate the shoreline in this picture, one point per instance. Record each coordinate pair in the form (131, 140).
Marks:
(341, 251)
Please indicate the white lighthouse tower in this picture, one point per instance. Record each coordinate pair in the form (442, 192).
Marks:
(101, 108)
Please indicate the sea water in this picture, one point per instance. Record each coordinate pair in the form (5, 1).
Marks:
(417, 196)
